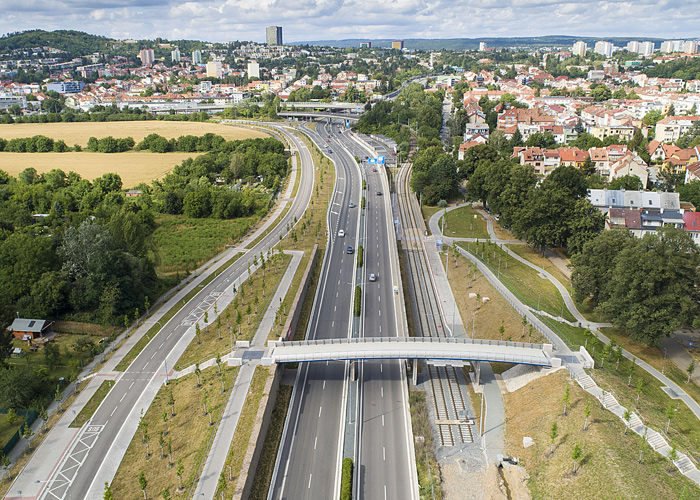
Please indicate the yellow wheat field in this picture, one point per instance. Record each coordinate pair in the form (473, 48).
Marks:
(134, 167)
(79, 133)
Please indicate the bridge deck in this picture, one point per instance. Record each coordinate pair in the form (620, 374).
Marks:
(411, 348)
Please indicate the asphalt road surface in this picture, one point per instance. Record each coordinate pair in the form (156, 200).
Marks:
(310, 449)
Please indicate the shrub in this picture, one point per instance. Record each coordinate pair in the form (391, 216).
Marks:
(346, 480)
(358, 305)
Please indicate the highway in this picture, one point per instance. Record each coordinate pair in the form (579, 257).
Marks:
(311, 447)
(103, 442)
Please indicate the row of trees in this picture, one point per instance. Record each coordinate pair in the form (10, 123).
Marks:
(35, 144)
(555, 212)
(648, 285)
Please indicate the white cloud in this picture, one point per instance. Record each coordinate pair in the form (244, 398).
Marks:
(223, 20)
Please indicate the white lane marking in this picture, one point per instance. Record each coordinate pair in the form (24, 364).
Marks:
(380, 312)
(154, 355)
(335, 308)
(161, 345)
(122, 399)
(385, 492)
(381, 365)
(380, 299)
(336, 295)
(166, 338)
(382, 391)
(146, 365)
(132, 384)
(324, 384)
(332, 323)
(382, 420)
(315, 441)
(384, 452)
(319, 411)
(309, 486)
(115, 409)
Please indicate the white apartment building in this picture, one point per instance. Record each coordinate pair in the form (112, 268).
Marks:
(580, 49)
(197, 57)
(670, 46)
(253, 69)
(604, 48)
(214, 69)
(690, 47)
(671, 128)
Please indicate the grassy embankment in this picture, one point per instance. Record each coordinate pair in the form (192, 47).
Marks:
(188, 431)
(609, 466)
(462, 223)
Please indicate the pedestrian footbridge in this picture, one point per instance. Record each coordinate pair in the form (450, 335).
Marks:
(434, 349)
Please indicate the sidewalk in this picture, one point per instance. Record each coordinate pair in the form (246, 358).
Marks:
(250, 358)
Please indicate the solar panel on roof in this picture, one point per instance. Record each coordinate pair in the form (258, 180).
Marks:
(31, 323)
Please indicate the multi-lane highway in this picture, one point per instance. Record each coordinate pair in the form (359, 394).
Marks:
(103, 443)
(312, 443)
(309, 458)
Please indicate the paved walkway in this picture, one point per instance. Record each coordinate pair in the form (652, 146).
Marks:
(214, 465)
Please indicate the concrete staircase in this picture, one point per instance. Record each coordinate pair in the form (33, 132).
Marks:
(657, 442)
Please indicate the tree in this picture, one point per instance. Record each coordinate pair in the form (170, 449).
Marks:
(576, 455)
(197, 373)
(567, 397)
(651, 118)
(586, 414)
(248, 311)
(143, 482)
(673, 454)
(601, 93)
(690, 370)
(627, 415)
(627, 182)
(11, 417)
(180, 469)
(108, 494)
(171, 403)
(27, 434)
(197, 331)
(165, 494)
(161, 443)
(524, 324)
(670, 412)
(553, 435)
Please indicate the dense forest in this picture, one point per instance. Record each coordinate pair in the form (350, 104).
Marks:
(72, 246)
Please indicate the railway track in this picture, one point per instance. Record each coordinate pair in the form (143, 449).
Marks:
(446, 383)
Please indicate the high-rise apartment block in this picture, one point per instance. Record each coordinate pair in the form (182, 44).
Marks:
(175, 55)
(603, 48)
(482, 46)
(672, 46)
(580, 49)
(214, 69)
(147, 57)
(197, 57)
(253, 69)
(365, 45)
(273, 35)
(397, 44)
(646, 48)
(690, 47)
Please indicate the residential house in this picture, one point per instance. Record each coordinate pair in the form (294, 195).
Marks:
(630, 164)
(661, 151)
(672, 128)
(29, 329)
(572, 157)
(691, 221)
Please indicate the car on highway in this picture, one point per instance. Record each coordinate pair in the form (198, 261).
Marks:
(330, 152)
(341, 233)
(372, 277)
(374, 170)
(350, 250)
(379, 193)
(351, 205)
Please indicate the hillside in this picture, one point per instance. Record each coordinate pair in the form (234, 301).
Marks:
(76, 43)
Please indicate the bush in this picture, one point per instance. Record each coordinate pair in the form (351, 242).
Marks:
(363, 203)
(346, 480)
(360, 251)
(358, 305)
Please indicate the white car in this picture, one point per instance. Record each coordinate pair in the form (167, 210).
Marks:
(341, 233)
(372, 277)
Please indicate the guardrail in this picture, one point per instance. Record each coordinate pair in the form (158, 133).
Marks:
(418, 340)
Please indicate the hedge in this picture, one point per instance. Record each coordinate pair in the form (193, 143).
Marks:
(360, 252)
(346, 480)
(358, 296)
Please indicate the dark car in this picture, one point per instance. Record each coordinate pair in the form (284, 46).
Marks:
(350, 250)
(379, 193)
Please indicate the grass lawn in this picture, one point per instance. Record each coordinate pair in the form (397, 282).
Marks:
(79, 132)
(572, 335)
(64, 342)
(490, 315)
(426, 463)
(80, 328)
(7, 430)
(263, 474)
(91, 407)
(189, 432)
(520, 279)
(212, 342)
(534, 257)
(428, 212)
(239, 445)
(610, 465)
(183, 243)
(461, 223)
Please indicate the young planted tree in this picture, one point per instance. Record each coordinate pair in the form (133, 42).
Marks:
(27, 434)
(524, 323)
(255, 301)
(218, 362)
(673, 454)
(147, 441)
(197, 332)
(586, 414)
(171, 403)
(567, 397)
(502, 329)
(631, 370)
(164, 417)
(576, 455)
(218, 325)
(239, 320)
(627, 416)
(690, 370)
(170, 451)
(529, 337)
(248, 311)
(221, 486)
(197, 373)
(108, 494)
(161, 443)
(206, 320)
(670, 412)
(553, 435)
(143, 482)
(180, 469)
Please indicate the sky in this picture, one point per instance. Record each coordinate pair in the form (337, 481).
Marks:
(228, 20)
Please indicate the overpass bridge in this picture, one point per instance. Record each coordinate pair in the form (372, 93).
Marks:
(317, 114)
(437, 350)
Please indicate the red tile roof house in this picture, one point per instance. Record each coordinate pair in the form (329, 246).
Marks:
(691, 222)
